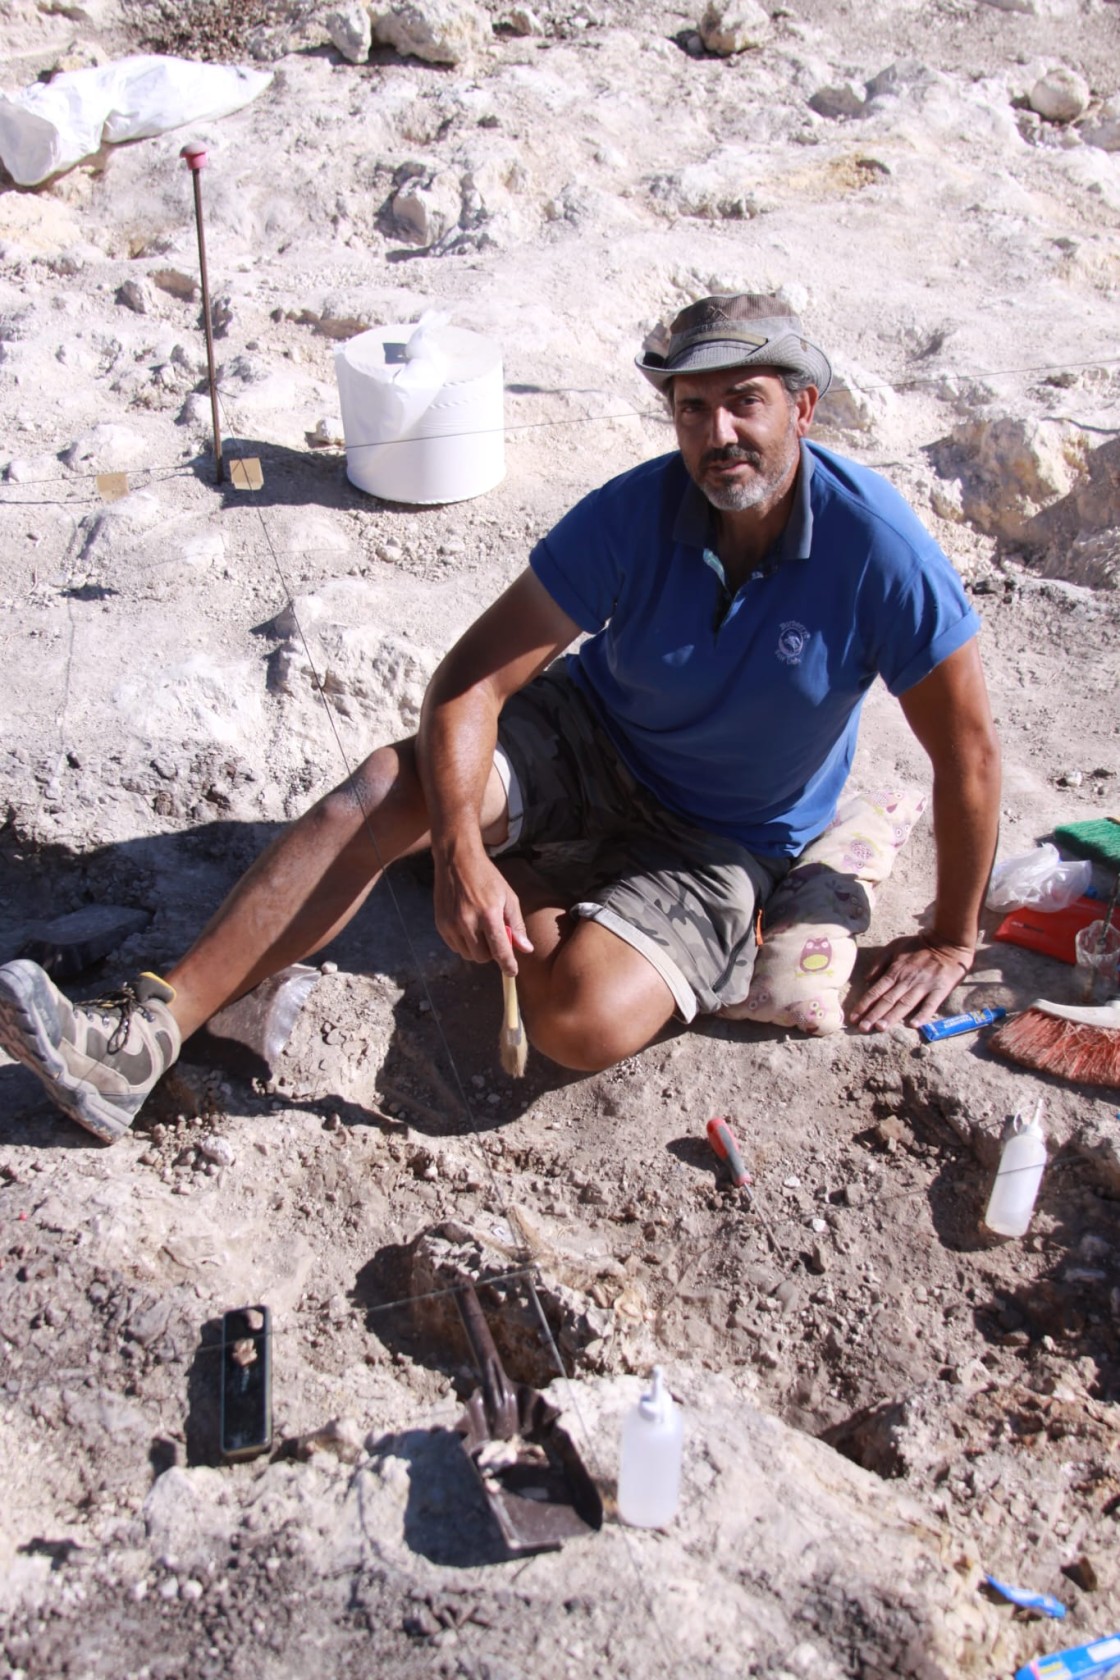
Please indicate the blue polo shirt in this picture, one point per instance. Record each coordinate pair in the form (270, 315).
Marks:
(741, 712)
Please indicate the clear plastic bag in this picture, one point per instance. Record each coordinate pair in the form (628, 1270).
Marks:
(1038, 878)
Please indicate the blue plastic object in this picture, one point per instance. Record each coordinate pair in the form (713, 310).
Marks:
(1101, 1657)
(951, 1025)
(1028, 1600)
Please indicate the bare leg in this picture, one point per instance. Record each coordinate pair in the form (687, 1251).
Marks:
(310, 882)
(589, 999)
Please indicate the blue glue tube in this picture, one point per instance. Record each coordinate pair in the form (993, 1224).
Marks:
(951, 1025)
(1082, 1662)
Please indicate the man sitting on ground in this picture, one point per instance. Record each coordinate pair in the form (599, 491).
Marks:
(741, 595)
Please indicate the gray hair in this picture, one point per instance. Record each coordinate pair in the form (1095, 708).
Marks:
(794, 382)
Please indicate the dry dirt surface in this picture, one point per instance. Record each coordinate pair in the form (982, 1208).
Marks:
(882, 1402)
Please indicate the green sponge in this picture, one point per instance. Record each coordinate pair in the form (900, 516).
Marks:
(1099, 839)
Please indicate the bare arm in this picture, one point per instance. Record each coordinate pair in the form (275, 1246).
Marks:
(503, 650)
(949, 713)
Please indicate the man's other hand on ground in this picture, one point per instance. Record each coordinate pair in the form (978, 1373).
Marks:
(908, 983)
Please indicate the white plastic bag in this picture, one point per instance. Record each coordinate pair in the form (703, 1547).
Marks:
(392, 395)
(416, 382)
(51, 126)
(1038, 878)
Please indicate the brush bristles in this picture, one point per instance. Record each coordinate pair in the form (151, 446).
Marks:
(513, 1046)
(1069, 1049)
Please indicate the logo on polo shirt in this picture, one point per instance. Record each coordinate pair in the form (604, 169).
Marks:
(793, 638)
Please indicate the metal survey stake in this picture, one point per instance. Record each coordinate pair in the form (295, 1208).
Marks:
(195, 156)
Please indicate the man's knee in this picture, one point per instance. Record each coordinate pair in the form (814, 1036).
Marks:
(590, 1027)
(580, 1040)
(595, 1001)
(385, 785)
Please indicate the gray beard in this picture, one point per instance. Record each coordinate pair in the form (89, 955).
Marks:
(739, 498)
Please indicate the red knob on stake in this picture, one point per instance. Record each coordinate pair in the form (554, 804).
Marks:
(722, 1140)
(195, 154)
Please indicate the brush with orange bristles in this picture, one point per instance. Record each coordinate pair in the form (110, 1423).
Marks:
(513, 1046)
(1069, 1040)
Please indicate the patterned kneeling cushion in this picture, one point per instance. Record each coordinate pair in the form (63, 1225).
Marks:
(809, 949)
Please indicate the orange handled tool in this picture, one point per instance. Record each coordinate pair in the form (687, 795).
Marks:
(722, 1140)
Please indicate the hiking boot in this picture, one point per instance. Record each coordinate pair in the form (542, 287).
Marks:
(98, 1060)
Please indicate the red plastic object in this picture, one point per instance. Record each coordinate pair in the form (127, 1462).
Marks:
(195, 155)
(722, 1140)
(1051, 932)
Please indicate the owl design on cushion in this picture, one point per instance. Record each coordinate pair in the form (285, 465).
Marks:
(816, 955)
(858, 853)
(810, 1015)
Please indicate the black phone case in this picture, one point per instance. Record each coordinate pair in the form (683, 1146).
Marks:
(246, 1382)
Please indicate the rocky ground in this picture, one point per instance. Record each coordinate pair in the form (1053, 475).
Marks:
(882, 1401)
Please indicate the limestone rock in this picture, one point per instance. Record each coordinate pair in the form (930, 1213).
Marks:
(1102, 129)
(848, 406)
(1096, 1140)
(341, 1436)
(1011, 468)
(905, 75)
(107, 448)
(258, 385)
(946, 500)
(68, 945)
(16, 324)
(1078, 536)
(1090, 560)
(113, 530)
(1060, 96)
(176, 284)
(328, 431)
(523, 21)
(428, 206)
(26, 469)
(137, 296)
(716, 190)
(733, 26)
(837, 102)
(184, 1512)
(439, 31)
(363, 671)
(351, 31)
(898, 1437)
(1035, 8)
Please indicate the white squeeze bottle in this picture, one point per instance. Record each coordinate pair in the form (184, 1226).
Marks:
(1011, 1202)
(649, 1473)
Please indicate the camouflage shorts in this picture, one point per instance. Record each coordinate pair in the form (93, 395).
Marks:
(683, 897)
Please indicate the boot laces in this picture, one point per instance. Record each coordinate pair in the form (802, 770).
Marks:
(121, 1003)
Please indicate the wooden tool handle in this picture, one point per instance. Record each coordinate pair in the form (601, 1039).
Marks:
(513, 1008)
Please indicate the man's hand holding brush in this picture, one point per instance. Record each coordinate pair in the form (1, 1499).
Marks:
(478, 913)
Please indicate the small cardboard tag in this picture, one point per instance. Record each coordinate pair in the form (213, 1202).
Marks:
(112, 486)
(245, 473)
